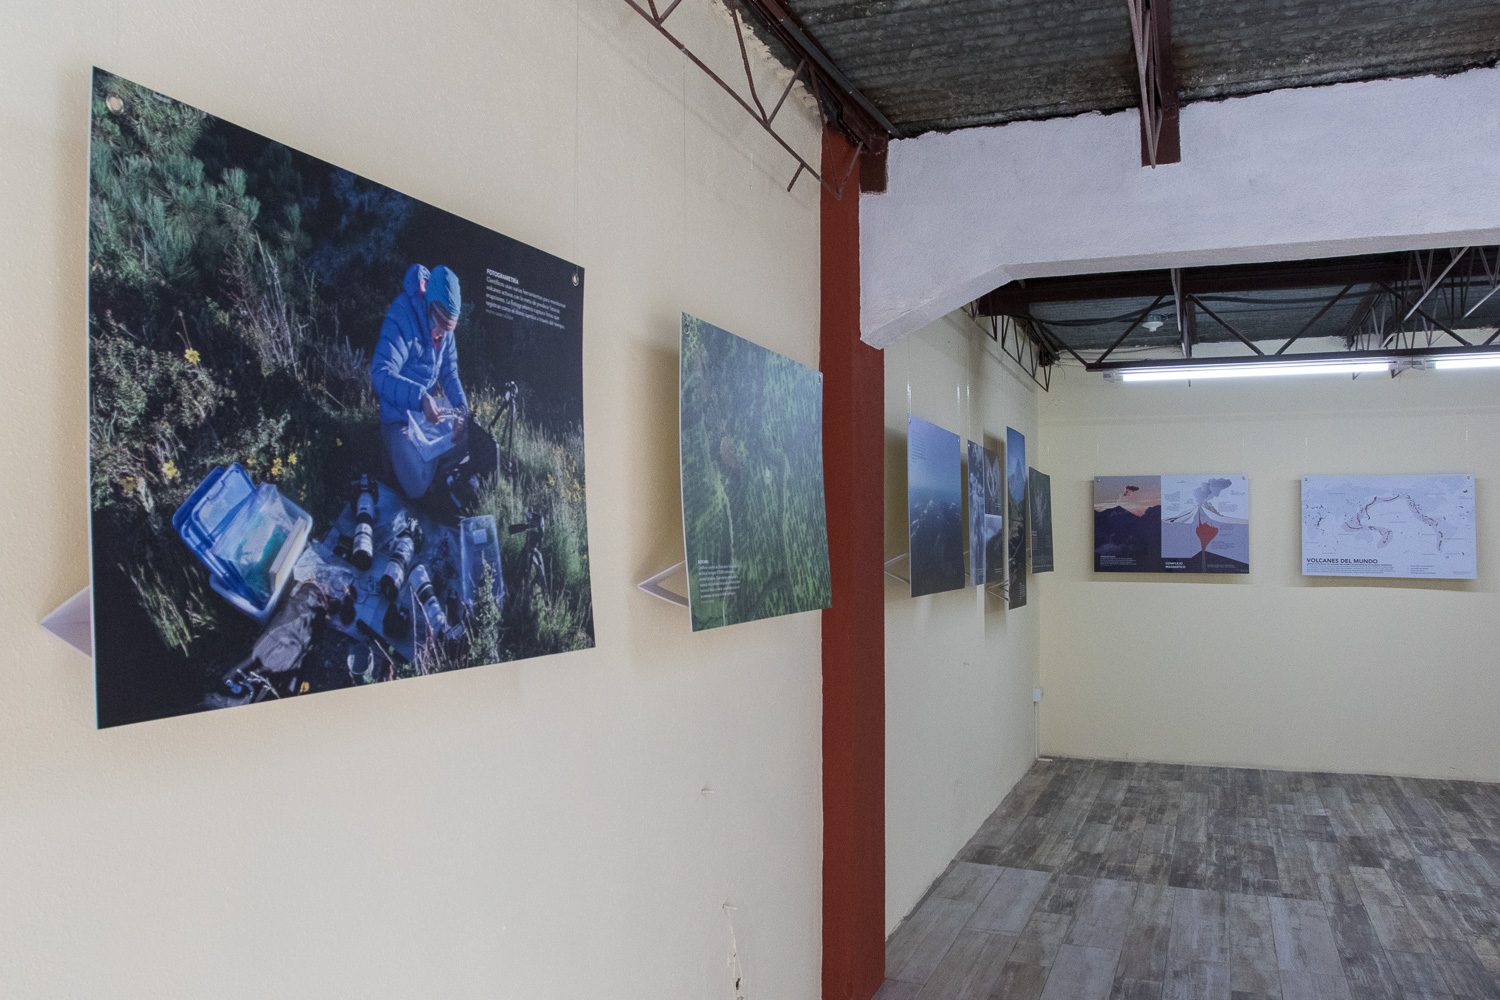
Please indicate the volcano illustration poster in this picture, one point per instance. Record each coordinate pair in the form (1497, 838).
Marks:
(1172, 524)
(335, 433)
(934, 508)
(753, 519)
(1015, 513)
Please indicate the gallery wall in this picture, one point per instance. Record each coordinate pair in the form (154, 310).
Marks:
(959, 667)
(639, 819)
(1272, 669)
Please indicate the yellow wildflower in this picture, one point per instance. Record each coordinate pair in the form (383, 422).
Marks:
(291, 459)
(169, 470)
(339, 442)
(275, 468)
(191, 355)
(128, 484)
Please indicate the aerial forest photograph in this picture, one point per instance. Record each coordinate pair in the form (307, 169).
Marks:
(754, 520)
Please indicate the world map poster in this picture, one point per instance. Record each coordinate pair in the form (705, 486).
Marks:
(1172, 524)
(1391, 526)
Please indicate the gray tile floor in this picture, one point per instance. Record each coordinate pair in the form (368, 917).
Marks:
(1099, 879)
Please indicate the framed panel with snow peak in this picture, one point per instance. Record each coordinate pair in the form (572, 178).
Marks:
(1171, 524)
(754, 524)
(1412, 527)
(994, 518)
(1040, 499)
(934, 508)
(986, 517)
(335, 433)
(1015, 514)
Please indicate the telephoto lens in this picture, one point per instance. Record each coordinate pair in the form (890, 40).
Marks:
(408, 539)
(363, 556)
(421, 589)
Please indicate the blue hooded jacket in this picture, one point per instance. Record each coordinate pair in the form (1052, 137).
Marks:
(406, 364)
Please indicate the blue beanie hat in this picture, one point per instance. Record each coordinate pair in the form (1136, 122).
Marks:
(442, 290)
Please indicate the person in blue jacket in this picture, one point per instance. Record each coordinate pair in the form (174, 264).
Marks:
(415, 357)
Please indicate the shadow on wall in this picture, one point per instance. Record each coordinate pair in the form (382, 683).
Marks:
(896, 531)
(656, 389)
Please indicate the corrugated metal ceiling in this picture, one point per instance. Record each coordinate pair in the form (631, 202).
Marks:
(946, 64)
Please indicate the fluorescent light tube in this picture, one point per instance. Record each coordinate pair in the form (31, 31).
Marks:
(1472, 361)
(1183, 372)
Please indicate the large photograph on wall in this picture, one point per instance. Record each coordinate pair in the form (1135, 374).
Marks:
(934, 508)
(1172, 524)
(1040, 496)
(994, 518)
(986, 517)
(335, 433)
(1413, 527)
(753, 517)
(975, 471)
(1015, 513)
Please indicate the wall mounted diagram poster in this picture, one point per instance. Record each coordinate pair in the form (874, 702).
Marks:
(753, 516)
(274, 512)
(986, 517)
(934, 508)
(1040, 493)
(1393, 526)
(1171, 524)
(1015, 513)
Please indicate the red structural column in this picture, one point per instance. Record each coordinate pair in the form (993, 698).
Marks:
(854, 628)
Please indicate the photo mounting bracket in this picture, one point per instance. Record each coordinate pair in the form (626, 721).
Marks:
(1001, 589)
(72, 621)
(652, 585)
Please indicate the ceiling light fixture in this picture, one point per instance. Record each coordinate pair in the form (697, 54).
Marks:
(1351, 366)
(1472, 361)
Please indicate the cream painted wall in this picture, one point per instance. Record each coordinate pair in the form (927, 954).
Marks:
(1272, 669)
(959, 666)
(567, 827)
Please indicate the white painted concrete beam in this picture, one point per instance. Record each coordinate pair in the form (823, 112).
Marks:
(1317, 172)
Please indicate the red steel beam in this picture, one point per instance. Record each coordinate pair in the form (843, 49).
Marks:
(854, 627)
